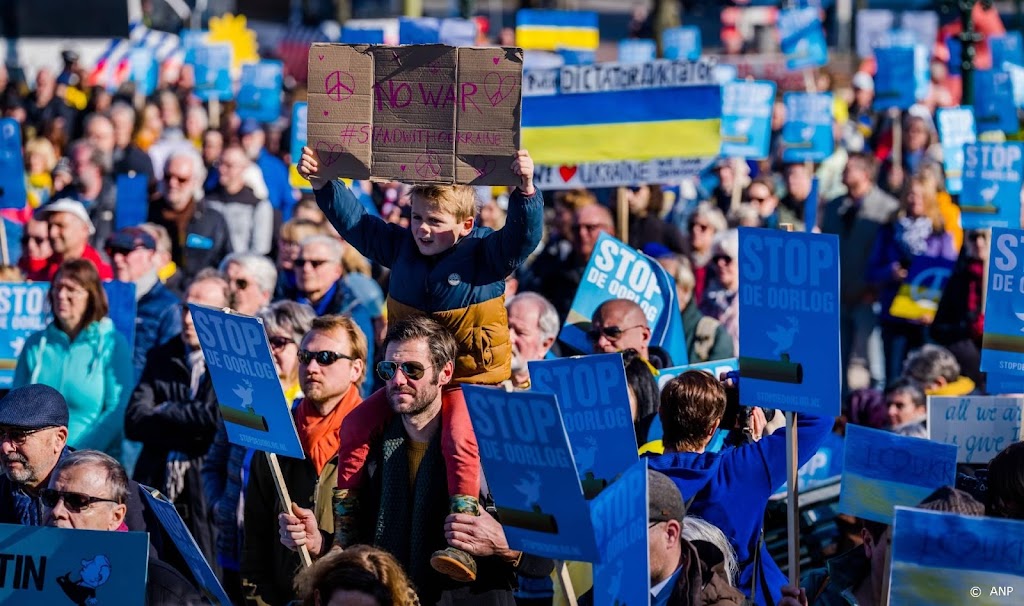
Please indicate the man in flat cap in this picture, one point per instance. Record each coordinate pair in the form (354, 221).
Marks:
(33, 439)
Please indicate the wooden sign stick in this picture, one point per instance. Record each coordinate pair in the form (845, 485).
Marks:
(792, 490)
(567, 590)
(286, 500)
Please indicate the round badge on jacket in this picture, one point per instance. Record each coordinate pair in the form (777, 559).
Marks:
(454, 279)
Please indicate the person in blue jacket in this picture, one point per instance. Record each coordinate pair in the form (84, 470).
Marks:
(730, 489)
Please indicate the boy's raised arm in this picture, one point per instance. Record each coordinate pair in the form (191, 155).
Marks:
(507, 249)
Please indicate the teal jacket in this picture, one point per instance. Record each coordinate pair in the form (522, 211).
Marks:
(94, 373)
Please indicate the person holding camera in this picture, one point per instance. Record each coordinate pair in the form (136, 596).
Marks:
(731, 488)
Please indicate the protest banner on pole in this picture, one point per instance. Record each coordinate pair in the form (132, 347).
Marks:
(747, 119)
(259, 91)
(297, 142)
(12, 165)
(918, 296)
(621, 515)
(1007, 48)
(956, 128)
(552, 30)
(802, 38)
(637, 50)
(143, 70)
(979, 426)
(994, 105)
(590, 175)
(1002, 348)
(417, 114)
(618, 271)
(807, 134)
(523, 440)
(594, 400)
(945, 559)
(251, 400)
(24, 309)
(205, 579)
(882, 469)
(212, 64)
(681, 43)
(992, 178)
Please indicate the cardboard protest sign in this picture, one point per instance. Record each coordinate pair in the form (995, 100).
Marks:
(24, 309)
(979, 426)
(956, 127)
(714, 368)
(46, 565)
(945, 559)
(297, 142)
(1002, 348)
(251, 399)
(918, 297)
(993, 174)
(789, 320)
(807, 133)
(594, 400)
(417, 114)
(747, 118)
(681, 42)
(802, 38)
(1008, 48)
(213, 71)
(540, 501)
(637, 50)
(206, 580)
(259, 94)
(994, 106)
(825, 467)
(132, 200)
(618, 271)
(882, 470)
(12, 165)
(619, 172)
(620, 515)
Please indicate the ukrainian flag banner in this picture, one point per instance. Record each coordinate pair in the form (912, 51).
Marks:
(624, 112)
(552, 30)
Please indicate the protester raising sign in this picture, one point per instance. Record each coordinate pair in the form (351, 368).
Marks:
(259, 94)
(802, 38)
(956, 127)
(417, 114)
(789, 320)
(525, 451)
(1002, 349)
(979, 426)
(620, 516)
(212, 64)
(747, 118)
(807, 133)
(993, 174)
(24, 309)
(44, 565)
(939, 559)
(618, 271)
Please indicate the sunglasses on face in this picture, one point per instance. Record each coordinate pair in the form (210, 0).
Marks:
(316, 263)
(721, 258)
(75, 502)
(111, 251)
(240, 283)
(323, 358)
(612, 333)
(34, 239)
(387, 369)
(280, 342)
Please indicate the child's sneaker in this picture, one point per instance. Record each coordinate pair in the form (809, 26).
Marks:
(453, 562)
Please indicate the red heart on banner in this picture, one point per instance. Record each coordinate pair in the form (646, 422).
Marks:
(567, 172)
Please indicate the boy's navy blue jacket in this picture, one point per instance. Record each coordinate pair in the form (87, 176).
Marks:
(731, 488)
(462, 287)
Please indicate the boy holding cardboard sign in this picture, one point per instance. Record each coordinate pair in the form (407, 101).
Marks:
(449, 268)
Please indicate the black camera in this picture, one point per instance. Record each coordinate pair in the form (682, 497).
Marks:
(737, 417)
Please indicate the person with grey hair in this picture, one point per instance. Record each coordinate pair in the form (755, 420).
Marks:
(91, 186)
(199, 234)
(286, 323)
(243, 202)
(533, 327)
(703, 224)
(712, 546)
(252, 279)
(937, 371)
(720, 298)
(706, 338)
(128, 158)
(163, 259)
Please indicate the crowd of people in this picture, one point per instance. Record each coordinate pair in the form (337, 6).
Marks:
(380, 299)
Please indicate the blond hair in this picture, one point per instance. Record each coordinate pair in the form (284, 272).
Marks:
(44, 148)
(297, 230)
(457, 200)
(930, 197)
(356, 338)
(352, 261)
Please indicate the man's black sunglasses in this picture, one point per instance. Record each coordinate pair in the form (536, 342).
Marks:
(611, 332)
(387, 369)
(75, 502)
(323, 358)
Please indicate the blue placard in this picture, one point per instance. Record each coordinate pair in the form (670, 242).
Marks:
(993, 173)
(577, 56)
(419, 30)
(802, 38)
(144, 69)
(955, 62)
(956, 127)
(811, 206)
(594, 400)
(620, 515)
(1002, 350)
(12, 165)
(523, 444)
(944, 559)
(259, 95)
(638, 50)
(825, 467)
(362, 35)
(715, 368)
(251, 400)
(681, 43)
(1016, 73)
(807, 133)
(213, 71)
(789, 320)
(132, 200)
(882, 470)
(618, 271)
(298, 141)
(121, 299)
(896, 67)
(994, 105)
(46, 565)
(206, 579)
(1007, 48)
(190, 40)
(24, 309)
(747, 119)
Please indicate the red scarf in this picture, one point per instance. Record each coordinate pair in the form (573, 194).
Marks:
(321, 435)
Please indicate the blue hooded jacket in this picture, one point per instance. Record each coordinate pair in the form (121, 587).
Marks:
(731, 488)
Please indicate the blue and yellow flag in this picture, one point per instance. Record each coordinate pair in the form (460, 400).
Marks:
(551, 30)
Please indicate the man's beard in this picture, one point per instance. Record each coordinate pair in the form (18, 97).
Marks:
(421, 400)
(25, 475)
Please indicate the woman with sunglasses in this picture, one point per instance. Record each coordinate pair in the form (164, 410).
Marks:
(704, 223)
(82, 355)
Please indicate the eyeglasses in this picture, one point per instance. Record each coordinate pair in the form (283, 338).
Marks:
(178, 178)
(34, 239)
(589, 227)
(700, 227)
(279, 342)
(316, 263)
(75, 502)
(653, 524)
(612, 333)
(240, 283)
(387, 369)
(111, 251)
(725, 258)
(18, 436)
(323, 358)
